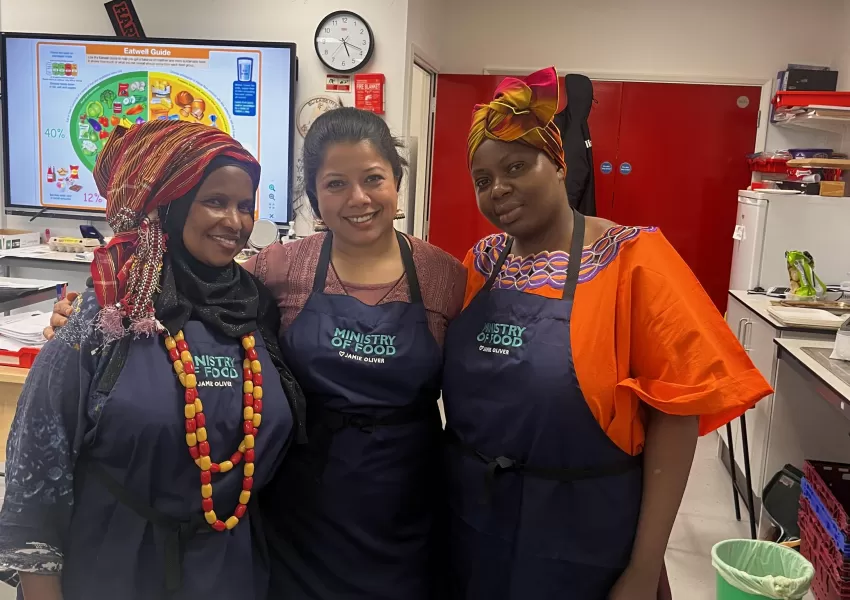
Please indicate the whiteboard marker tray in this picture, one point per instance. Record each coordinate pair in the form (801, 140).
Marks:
(806, 317)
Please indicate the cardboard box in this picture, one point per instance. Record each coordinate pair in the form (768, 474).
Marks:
(18, 238)
(832, 188)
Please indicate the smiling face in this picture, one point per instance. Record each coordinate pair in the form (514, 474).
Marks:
(221, 218)
(356, 192)
(519, 189)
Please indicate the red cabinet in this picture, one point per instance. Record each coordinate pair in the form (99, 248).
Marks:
(676, 154)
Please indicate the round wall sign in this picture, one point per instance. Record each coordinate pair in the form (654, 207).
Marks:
(606, 168)
(625, 168)
(743, 102)
(311, 110)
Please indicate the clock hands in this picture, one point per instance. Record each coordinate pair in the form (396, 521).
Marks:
(345, 44)
(338, 48)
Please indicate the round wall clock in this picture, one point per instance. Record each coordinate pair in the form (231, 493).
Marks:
(344, 41)
(310, 111)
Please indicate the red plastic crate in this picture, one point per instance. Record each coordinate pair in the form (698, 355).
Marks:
(831, 481)
(824, 588)
(790, 99)
(819, 548)
(768, 165)
(23, 358)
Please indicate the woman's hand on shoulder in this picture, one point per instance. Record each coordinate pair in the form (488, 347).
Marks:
(61, 311)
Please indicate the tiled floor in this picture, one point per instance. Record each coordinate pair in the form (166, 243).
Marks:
(707, 516)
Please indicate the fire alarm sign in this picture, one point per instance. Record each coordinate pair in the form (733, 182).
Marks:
(369, 92)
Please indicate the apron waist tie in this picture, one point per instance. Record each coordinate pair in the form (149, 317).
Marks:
(502, 464)
(413, 412)
(178, 533)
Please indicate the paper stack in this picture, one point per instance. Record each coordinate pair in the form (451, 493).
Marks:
(25, 330)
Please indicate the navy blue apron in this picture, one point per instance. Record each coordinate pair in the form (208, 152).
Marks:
(543, 504)
(354, 510)
(137, 531)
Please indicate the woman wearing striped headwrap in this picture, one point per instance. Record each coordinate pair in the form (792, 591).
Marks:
(574, 389)
(148, 421)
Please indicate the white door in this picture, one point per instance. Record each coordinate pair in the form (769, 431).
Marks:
(421, 132)
(748, 239)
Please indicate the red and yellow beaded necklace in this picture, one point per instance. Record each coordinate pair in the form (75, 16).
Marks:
(196, 432)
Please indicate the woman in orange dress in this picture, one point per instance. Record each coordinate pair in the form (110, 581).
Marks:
(574, 390)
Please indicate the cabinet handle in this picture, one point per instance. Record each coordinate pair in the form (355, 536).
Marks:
(747, 331)
(738, 331)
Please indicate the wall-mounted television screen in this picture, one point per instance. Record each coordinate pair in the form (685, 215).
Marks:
(63, 96)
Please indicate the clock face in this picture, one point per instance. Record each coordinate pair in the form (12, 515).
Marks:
(344, 42)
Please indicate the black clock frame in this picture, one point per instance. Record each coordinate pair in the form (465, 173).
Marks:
(365, 60)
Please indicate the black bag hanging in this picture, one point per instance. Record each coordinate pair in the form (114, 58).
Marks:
(578, 151)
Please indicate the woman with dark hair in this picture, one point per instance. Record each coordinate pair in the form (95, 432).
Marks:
(364, 310)
(583, 367)
(148, 421)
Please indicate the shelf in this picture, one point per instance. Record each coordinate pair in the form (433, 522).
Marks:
(13, 375)
(827, 124)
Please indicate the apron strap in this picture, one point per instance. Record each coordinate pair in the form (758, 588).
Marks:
(406, 259)
(178, 533)
(501, 464)
(409, 268)
(497, 268)
(322, 266)
(576, 252)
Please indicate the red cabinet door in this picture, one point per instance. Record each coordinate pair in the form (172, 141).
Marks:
(604, 123)
(683, 147)
(455, 223)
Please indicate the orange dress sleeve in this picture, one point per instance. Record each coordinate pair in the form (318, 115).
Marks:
(684, 359)
(474, 279)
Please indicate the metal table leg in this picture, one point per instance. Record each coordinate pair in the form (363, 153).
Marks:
(750, 502)
(733, 468)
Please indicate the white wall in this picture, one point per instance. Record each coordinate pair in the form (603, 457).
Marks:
(262, 20)
(750, 39)
(426, 28)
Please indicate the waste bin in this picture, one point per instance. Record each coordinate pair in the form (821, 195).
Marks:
(749, 569)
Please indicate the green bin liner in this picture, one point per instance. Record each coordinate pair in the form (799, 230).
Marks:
(755, 569)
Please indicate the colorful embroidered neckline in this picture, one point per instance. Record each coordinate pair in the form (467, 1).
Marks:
(549, 268)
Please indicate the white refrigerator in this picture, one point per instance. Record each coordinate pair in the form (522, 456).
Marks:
(769, 224)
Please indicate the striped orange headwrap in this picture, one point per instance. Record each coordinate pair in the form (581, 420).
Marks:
(521, 110)
(140, 170)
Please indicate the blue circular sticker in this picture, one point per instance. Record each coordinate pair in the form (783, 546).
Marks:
(625, 168)
(606, 168)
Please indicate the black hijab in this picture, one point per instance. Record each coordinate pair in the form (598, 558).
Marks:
(226, 299)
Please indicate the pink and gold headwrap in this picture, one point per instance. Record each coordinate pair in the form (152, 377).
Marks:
(521, 110)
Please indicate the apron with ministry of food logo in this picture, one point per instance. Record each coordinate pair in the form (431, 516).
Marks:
(138, 530)
(543, 504)
(354, 511)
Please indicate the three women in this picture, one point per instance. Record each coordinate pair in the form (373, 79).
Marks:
(575, 390)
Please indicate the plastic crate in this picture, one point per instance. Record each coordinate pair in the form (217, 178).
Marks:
(759, 164)
(811, 98)
(831, 482)
(842, 542)
(824, 588)
(817, 546)
(23, 358)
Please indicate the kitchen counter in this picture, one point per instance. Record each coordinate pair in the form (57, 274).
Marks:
(830, 378)
(759, 303)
